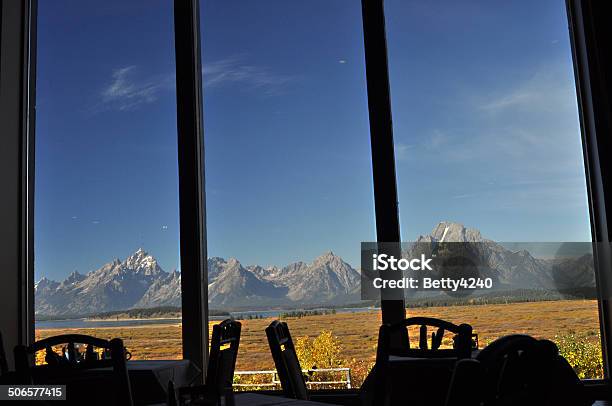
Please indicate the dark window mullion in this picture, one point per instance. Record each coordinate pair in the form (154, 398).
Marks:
(381, 135)
(191, 182)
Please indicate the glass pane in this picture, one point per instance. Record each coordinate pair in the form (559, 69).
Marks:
(106, 193)
(289, 184)
(487, 138)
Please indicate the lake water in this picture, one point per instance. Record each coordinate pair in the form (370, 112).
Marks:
(86, 323)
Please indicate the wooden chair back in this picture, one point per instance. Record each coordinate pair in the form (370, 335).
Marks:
(286, 360)
(82, 372)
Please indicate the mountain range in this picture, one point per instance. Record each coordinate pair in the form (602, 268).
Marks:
(139, 282)
(512, 269)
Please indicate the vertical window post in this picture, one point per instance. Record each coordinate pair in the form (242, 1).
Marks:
(17, 91)
(381, 135)
(191, 182)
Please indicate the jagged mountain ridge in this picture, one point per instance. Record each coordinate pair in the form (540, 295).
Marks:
(117, 285)
(139, 282)
(517, 269)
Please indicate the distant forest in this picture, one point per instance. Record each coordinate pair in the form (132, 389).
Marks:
(495, 297)
(502, 297)
(145, 313)
(149, 313)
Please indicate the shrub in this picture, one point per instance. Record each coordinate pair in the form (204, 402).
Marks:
(320, 353)
(582, 353)
(360, 369)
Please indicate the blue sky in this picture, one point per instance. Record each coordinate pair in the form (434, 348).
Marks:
(484, 113)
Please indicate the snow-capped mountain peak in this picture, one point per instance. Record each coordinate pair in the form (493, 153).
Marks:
(142, 262)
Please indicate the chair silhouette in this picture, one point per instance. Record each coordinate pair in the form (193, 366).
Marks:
(84, 385)
(221, 365)
(499, 364)
(516, 370)
(467, 384)
(462, 340)
(3, 362)
(427, 369)
(286, 361)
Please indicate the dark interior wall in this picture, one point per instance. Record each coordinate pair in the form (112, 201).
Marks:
(12, 268)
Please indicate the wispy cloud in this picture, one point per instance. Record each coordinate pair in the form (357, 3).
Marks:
(235, 70)
(515, 98)
(402, 151)
(548, 89)
(517, 145)
(466, 195)
(128, 91)
(533, 122)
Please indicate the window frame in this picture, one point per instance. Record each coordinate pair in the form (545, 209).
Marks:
(190, 161)
(17, 115)
(588, 34)
(595, 117)
(589, 41)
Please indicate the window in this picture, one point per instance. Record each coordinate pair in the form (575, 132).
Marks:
(487, 138)
(289, 181)
(106, 209)
(487, 144)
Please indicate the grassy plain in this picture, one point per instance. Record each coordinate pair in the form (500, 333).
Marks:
(357, 332)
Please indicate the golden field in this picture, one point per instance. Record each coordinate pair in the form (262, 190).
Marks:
(357, 332)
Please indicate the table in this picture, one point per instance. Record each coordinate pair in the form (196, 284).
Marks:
(149, 379)
(255, 399)
(248, 399)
